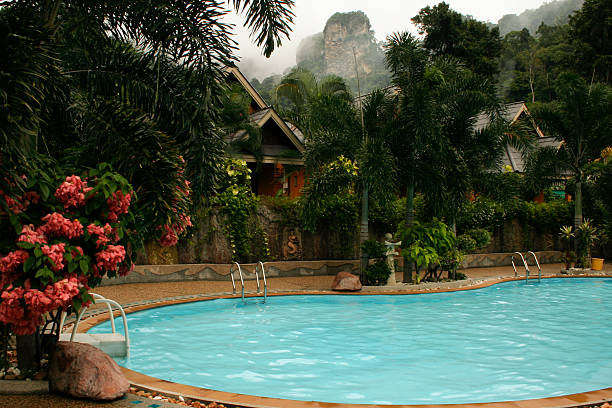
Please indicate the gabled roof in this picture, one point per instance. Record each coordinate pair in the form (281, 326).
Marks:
(261, 104)
(264, 115)
(260, 118)
(512, 113)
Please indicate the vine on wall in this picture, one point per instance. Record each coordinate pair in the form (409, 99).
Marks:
(238, 203)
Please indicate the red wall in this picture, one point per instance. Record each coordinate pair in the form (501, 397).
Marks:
(270, 178)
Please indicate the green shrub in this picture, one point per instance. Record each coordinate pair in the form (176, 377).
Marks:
(480, 213)
(377, 273)
(466, 244)
(374, 249)
(488, 214)
(481, 236)
(386, 219)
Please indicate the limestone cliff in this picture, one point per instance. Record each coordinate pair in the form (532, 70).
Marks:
(344, 34)
(331, 52)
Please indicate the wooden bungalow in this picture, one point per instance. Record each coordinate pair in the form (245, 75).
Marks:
(513, 159)
(280, 168)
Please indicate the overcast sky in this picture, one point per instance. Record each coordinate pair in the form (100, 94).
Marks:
(386, 17)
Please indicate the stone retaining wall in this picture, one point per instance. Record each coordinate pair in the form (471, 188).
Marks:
(220, 272)
(505, 259)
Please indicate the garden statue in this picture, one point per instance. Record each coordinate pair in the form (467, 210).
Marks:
(291, 249)
(391, 257)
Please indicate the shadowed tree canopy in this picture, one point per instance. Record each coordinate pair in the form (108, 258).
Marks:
(581, 119)
(135, 83)
(591, 32)
(447, 32)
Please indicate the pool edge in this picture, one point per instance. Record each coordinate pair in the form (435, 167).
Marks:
(148, 383)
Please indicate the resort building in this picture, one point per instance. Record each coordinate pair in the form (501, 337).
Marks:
(278, 168)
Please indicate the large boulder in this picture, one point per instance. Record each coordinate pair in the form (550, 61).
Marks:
(346, 282)
(83, 371)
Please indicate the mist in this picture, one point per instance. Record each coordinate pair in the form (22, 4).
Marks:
(386, 17)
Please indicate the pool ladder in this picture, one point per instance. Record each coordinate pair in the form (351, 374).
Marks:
(113, 344)
(527, 265)
(240, 274)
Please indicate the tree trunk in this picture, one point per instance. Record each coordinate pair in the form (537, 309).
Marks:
(578, 217)
(363, 231)
(27, 352)
(409, 221)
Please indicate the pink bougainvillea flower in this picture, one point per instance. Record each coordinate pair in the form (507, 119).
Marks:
(12, 260)
(169, 237)
(9, 265)
(101, 232)
(56, 225)
(56, 253)
(72, 192)
(31, 235)
(118, 204)
(76, 251)
(64, 291)
(109, 258)
(124, 270)
(11, 310)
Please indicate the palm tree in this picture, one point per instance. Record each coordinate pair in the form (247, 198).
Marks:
(581, 119)
(300, 88)
(467, 151)
(414, 77)
(335, 131)
(149, 74)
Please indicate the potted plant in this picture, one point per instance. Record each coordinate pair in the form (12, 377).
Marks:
(567, 234)
(587, 234)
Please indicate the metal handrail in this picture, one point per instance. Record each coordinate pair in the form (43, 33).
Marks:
(110, 303)
(263, 274)
(538, 265)
(524, 263)
(241, 279)
(257, 278)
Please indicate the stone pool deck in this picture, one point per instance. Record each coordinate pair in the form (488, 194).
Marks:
(137, 296)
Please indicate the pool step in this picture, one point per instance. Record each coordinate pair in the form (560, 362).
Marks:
(112, 344)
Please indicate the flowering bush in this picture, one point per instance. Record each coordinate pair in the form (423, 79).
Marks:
(60, 245)
(171, 231)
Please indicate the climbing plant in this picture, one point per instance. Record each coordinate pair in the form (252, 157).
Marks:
(237, 202)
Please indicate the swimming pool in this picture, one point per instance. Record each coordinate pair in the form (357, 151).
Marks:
(509, 341)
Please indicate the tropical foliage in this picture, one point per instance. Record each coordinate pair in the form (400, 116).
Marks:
(62, 242)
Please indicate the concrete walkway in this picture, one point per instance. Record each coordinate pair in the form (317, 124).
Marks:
(134, 294)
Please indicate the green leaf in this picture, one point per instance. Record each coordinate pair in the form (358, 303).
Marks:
(45, 274)
(25, 245)
(28, 264)
(44, 191)
(68, 256)
(38, 252)
(76, 304)
(84, 265)
(72, 266)
(15, 223)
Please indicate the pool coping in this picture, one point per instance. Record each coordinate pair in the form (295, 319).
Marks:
(148, 383)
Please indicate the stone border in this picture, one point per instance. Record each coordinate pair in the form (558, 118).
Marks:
(220, 272)
(505, 259)
(21, 387)
(153, 384)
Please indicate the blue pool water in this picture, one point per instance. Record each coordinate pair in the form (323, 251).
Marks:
(510, 341)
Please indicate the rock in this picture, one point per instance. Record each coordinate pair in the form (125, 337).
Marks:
(10, 377)
(39, 376)
(83, 371)
(345, 281)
